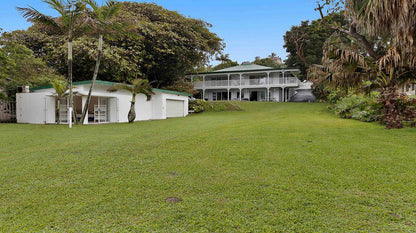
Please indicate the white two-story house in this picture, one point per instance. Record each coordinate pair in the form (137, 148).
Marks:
(248, 82)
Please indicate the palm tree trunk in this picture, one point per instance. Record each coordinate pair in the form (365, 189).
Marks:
(94, 78)
(391, 108)
(71, 99)
(132, 112)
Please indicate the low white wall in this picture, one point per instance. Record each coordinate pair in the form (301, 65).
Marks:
(35, 108)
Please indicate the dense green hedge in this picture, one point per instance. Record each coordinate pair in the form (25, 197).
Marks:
(212, 106)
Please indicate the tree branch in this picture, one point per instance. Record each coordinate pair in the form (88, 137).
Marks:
(353, 33)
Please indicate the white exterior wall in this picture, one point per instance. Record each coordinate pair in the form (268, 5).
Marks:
(276, 94)
(31, 107)
(158, 109)
(35, 108)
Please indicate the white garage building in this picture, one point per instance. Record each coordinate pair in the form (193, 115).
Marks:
(38, 106)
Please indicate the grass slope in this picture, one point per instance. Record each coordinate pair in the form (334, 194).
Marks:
(274, 167)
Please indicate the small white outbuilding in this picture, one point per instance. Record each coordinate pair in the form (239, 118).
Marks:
(38, 106)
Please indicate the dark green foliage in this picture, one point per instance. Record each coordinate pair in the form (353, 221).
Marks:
(182, 85)
(224, 65)
(304, 43)
(18, 67)
(212, 106)
(172, 44)
(269, 62)
(159, 44)
(407, 106)
(359, 107)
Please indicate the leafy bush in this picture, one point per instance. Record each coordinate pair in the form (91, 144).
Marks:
(407, 106)
(212, 106)
(359, 107)
(198, 105)
(333, 96)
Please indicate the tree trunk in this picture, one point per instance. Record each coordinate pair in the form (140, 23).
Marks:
(132, 113)
(94, 78)
(391, 108)
(71, 99)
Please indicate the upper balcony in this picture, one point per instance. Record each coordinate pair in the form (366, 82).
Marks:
(247, 82)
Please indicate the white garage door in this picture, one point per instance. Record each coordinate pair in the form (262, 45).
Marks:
(174, 108)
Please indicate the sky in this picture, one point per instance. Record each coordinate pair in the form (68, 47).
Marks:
(249, 28)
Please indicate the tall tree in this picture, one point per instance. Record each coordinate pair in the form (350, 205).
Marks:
(378, 45)
(70, 24)
(304, 42)
(18, 67)
(138, 86)
(101, 21)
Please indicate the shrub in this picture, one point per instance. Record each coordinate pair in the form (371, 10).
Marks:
(212, 106)
(407, 107)
(358, 107)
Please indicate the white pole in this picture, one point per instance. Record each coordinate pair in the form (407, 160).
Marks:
(70, 117)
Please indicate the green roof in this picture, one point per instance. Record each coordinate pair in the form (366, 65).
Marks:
(245, 67)
(110, 84)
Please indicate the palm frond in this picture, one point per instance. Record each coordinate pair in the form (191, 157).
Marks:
(33, 15)
(57, 5)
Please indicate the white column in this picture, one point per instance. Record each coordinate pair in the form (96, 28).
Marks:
(228, 94)
(203, 81)
(267, 95)
(268, 78)
(240, 94)
(284, 78)
(283, 95)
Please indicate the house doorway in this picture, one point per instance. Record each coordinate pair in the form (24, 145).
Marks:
(253, 96)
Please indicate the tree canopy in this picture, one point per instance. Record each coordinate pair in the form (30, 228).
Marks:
(18, 67)
(304, 43)
(159, 45)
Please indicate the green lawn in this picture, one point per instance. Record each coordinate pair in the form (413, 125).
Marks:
(274, 167)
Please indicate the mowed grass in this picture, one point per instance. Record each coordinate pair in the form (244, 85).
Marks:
(274, 167)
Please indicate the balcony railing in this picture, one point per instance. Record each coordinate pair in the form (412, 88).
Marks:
(247, 82)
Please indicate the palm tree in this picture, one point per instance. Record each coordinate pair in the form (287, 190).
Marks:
(138, 86)
(395, 23)
(223, 58)
(381, 49)
(70, 23)
(100, 20)
(61, 87)
(273, 56)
